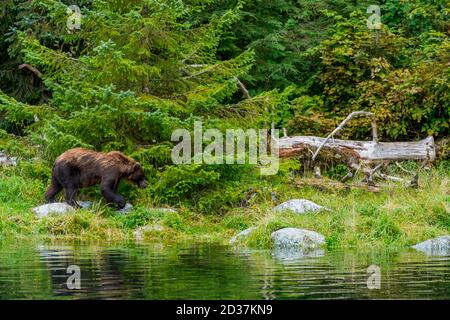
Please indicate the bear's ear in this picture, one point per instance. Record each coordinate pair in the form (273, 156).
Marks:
(134, 168)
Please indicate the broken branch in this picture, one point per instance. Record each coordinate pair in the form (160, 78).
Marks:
(35, 71)
(243, 88)
(341, 125)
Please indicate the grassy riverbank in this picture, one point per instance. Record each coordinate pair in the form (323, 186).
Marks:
(395, 217)
(133, 75)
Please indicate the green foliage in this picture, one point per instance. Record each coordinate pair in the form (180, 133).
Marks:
(400, 75)
(139, 69)
(140, 217)
(221, 198)
(279, 32)
(395, 217)
(178, 182)
(16, 117)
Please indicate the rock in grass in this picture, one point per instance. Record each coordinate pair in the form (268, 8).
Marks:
(6, 160)
(55, 208)
(242, 235)
(85, 204)
(297, 238)
(139, 232)
(299, 206)
(63, 208)
(435, 246)
(88, 204)
(128, 207)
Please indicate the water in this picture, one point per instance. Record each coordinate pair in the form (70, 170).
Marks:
(130, 271)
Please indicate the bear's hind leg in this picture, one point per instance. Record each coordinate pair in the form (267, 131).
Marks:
(53, 190)
(68, 177)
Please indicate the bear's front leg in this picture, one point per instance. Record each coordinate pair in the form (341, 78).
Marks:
(107, 189)
(70, 195)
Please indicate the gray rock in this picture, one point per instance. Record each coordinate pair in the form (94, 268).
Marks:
(242, 235)
(128, 207)
(299, 206)
(6, 160)
(436, 246)
(53, 208)
(138, 235)
(85, 204)
(297, 238)
(88, 204)
(294, 254)
(63, 208)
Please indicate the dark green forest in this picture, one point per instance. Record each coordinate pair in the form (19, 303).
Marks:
(136, 70)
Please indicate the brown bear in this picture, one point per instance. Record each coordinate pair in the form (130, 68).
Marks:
(80, 168)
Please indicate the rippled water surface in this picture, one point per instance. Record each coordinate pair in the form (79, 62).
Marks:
(39, 271)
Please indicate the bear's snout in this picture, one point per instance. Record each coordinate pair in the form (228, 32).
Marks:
(143, 184)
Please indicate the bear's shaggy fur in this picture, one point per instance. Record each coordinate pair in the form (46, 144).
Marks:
(80, 168)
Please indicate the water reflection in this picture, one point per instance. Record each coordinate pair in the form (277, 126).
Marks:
(130, 271)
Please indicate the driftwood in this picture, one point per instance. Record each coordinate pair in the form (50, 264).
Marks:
(360, 155)
(369, 151)
(341, 125)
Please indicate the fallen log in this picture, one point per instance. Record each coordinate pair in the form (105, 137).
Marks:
(341, 125)
(359, 155)
(368, 151)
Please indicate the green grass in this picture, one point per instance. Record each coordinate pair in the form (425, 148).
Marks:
(395, 217)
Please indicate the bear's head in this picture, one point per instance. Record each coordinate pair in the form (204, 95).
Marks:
(137, 176)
